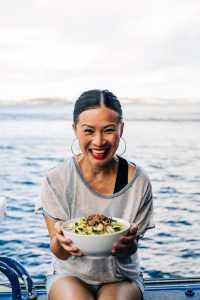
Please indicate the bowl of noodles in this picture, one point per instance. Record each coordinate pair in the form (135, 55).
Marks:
(95, 234)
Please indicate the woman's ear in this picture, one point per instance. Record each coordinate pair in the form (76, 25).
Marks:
(74, 129)
(121, 128)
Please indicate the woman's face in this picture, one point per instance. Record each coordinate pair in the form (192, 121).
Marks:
(98, 132)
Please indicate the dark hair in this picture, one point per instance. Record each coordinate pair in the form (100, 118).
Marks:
(94, 98)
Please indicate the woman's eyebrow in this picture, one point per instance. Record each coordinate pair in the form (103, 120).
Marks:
(109, 125)
(86, 125)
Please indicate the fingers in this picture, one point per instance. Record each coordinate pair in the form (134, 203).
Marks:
(133, 229)
(126, 239)
(58, 227)
(73, 250)
(124, 242)
(119, 248)
(65, 242)
(125, 249)
(63, 239)
(126, 245)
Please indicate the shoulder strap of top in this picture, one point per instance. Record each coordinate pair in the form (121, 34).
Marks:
(122, 175)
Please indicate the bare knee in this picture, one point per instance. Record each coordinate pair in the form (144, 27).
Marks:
(119, 290)
(70, 288)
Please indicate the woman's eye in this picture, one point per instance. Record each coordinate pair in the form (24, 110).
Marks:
(88, 131)
(109, 130)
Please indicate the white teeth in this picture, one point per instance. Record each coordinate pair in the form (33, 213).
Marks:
(98, 151)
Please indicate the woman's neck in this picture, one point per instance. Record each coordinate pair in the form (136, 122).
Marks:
(90, 171)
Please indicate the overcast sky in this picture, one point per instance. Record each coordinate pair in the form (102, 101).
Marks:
(135, 48)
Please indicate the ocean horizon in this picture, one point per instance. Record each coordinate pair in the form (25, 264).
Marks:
(123, 100)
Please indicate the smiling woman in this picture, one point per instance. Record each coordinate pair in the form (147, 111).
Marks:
(97, 181)
(98, 134)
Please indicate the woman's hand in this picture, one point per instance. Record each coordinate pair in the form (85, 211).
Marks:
(65, 242)
(127, 245)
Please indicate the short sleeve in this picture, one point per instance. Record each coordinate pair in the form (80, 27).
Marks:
(49, 202)
(144, 217)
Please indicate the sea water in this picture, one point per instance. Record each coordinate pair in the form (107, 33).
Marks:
(162, 138)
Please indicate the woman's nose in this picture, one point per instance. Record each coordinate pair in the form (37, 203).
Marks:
(98, 139)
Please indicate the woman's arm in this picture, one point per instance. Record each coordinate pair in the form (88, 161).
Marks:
(59, 244)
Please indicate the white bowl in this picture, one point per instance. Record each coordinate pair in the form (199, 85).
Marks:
(95, 246)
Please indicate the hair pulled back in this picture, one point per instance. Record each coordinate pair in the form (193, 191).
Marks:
(95, 98)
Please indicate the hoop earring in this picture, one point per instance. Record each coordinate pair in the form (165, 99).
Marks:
(124, 147)
(73, 142)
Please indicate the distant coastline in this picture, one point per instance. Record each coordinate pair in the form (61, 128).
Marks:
(124, 100)
(36, 101)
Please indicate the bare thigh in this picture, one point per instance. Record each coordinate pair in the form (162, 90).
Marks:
(119, 290)
(70, 288)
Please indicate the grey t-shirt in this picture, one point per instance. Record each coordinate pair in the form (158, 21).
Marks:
(65, 195)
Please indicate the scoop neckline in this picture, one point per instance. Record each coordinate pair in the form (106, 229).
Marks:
(97, 193)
